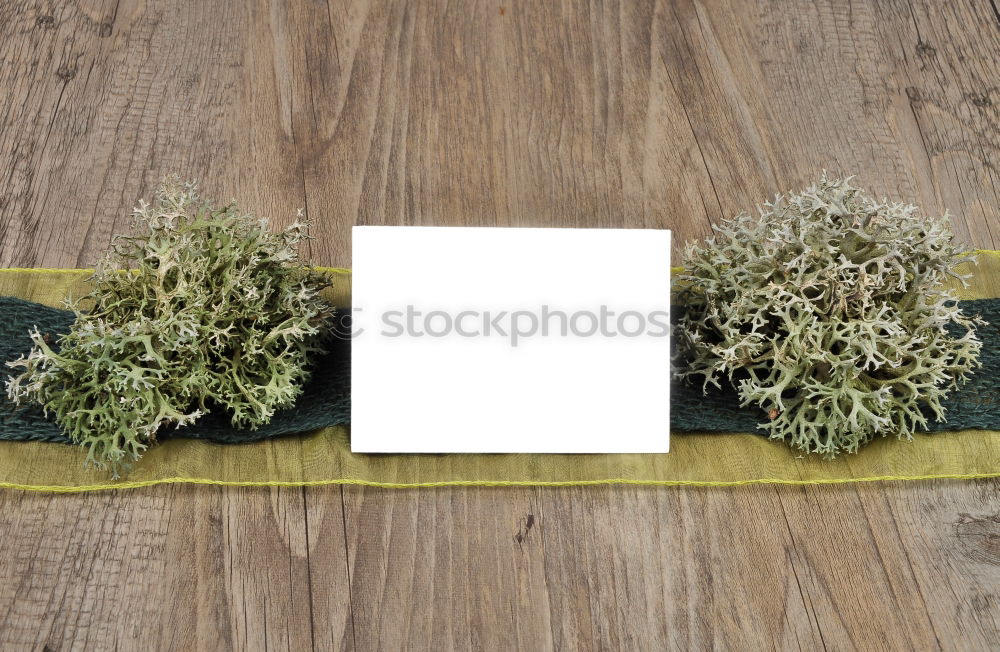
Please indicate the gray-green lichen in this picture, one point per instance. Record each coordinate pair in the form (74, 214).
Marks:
(828, 313)
(214, 312)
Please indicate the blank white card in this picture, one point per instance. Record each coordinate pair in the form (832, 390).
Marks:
(510, 340)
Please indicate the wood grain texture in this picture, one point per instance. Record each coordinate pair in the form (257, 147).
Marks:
(648, 113)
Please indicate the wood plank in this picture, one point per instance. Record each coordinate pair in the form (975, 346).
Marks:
(873, 566)
(106, 99)
(109, 99)
(179, 567)
(455, 568)
(951, 92)
(728, 119)
(327, 594)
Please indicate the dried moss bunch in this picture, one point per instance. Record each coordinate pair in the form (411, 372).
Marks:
(828, 313)
(215, 312)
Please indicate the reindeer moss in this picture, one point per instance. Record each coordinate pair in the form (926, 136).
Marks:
(827, 312)
(214, 312)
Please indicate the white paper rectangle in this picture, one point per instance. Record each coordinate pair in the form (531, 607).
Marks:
(443, 360)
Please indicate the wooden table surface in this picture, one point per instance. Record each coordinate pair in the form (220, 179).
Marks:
(631, 114)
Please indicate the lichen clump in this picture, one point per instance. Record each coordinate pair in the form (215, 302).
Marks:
(828, 313)
(212, 312)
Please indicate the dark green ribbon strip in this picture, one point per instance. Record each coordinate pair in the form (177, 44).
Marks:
(326, 398)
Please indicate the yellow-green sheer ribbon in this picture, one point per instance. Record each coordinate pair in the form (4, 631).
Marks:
(324, 457)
